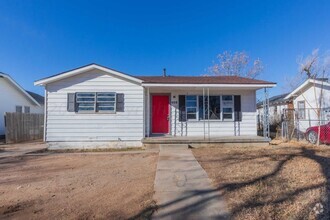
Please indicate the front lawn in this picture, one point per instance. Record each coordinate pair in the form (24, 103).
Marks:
(275, 182)
(77, 186)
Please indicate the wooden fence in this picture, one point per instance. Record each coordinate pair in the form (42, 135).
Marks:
(23, 127)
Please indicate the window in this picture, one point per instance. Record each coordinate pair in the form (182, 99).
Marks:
(220, 107)
(106, 102)
(96, 102)
(214, 110)
(19, 109)
(191, 106)
(26, 109)
(227, 107)
(85, 102)
(301, 109)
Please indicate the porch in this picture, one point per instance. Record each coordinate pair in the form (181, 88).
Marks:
(197, 142)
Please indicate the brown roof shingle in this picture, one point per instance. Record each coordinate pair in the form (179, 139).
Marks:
(201, 80)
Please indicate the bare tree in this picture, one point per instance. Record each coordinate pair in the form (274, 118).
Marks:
(315, 66)
(236, 64)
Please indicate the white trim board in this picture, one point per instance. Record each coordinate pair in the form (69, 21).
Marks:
(11, 80)
(82, 70)
(305, 84)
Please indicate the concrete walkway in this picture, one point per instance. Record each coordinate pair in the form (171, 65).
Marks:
(183, 189)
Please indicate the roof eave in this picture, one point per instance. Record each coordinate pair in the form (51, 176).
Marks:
(74, 72)
(145, 84)
(20, 88)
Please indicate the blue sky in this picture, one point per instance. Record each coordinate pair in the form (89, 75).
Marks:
(41, 38)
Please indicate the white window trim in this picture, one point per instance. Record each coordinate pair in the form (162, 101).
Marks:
(303, 110)
(197, 110)
(221, 110)
(227, 106)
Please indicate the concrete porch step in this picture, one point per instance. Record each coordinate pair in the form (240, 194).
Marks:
(173, 146)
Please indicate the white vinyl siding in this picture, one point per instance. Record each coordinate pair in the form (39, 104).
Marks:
(101, 126)
(310, 96)
(12, 97)
(247, 126)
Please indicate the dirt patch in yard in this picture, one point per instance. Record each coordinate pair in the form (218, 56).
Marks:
(77, 186)
(277, 182)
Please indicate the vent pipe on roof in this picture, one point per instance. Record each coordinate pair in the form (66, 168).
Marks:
(164, 72)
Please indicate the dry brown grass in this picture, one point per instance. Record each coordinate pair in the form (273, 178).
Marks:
(276, 182)
(77, 186)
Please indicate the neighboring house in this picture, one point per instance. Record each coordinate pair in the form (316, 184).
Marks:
(14, 98)
(96, 106)
(308, 99)
(276, 106)
(304, 102)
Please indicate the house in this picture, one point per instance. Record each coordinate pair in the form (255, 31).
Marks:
(299, 108)
(14, 98)
(310, 99)
(94, 106)
(277, 104)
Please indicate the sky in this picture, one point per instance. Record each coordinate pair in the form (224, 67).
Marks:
(42, 38)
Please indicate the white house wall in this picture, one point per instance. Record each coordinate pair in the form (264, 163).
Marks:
(10, 97)
(78, 127)
(247, 126)
(308, 96)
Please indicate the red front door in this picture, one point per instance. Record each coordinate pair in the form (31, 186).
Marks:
(160, 114)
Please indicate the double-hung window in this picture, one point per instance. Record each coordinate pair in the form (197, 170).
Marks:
(26, 109)
(191, 107)
(96, 102)
(210, 107)
(19, 109)
(227, 107)
(301, 109)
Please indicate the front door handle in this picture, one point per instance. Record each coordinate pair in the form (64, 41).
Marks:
(168, 118)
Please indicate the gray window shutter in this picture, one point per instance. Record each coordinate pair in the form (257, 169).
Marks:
(71, 104)
(237, 108)
(120, 105)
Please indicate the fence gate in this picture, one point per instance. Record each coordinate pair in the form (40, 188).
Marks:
(23, 127)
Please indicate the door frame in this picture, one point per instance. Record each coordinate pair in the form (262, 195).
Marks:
(169, 112)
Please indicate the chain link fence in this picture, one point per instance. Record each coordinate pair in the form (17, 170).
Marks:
(299, 124)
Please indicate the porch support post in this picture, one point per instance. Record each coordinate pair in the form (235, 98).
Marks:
(266, 114)
(204, 111)
(148, 112)
(208, 112)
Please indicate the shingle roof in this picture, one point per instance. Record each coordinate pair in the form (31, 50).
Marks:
(278, 99)
(201, 80)
(180, 79)
(40, 99)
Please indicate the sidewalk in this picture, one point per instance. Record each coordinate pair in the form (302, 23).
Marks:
(183, 189)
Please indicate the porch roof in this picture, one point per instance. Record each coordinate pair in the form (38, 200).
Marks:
(201, 80)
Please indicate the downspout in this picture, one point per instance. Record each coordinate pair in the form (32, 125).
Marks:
(45, 112)
(148, 112)
(204, 110)
(208, 112)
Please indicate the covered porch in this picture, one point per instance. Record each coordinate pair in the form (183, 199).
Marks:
(207, 111)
